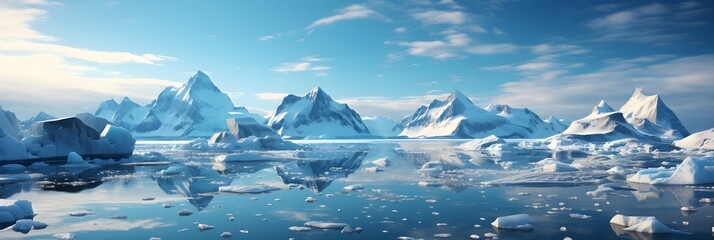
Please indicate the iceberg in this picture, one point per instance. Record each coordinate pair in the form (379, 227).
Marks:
(692, 171)
(13, 210)
(556, 166)
(640, 224)
(698, 140)
(57, 138)
(246, 127)
(514, 222)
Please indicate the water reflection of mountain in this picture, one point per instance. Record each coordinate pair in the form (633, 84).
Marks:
(687, 196)
(317, 170)
(230, 168)
(197, 184)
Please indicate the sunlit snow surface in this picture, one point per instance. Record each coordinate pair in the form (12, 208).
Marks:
(429, 189)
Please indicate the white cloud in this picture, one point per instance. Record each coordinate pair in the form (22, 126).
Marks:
(440, 17)
(293, 67)
(684, 83)
(453, 46)
(269, 37)
(355, 11)
(270, 96)
(39, 74)
(400, 30)
(307, 64)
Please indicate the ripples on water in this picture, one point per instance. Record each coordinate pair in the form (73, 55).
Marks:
(404, 198)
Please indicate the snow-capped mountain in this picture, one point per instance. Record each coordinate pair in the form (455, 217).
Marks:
(698, 140)
(107, 109)
(381, 126)
(604, 124)
(196, 109)
(457, 116)
(649, 114)
(525, 118)
(41, 116)
(316, 115)
(129, 114)
(9, 124)
(558, 124)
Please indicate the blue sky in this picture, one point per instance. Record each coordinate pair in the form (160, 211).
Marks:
(381, 57)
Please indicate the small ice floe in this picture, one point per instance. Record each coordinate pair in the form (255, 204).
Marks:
(705, 200)
(358, 229)
(474, 236)
(373, 169)
(429, 184)
(329, 195)
(64, 236)
(515, 222)
(167, 205)
(567, 238)
(310, 199)
(243, 157)
(616, 170)
(325, 225)
(692, 171)
(382, 162)
(148, 199)
(513, 199)
(563, 229)
(442, 224)
(155, 238)
(688, 209)
(25, 225)
(347, 229)
(118, 217)
(247, 189)
(601, 191)
(556, 166)
(430, 200)
(184, 212)
(523, 194)
(183, 230)
(231, 218)
(81, 213)
(640, 224)
(442, 235)
(172, 170)
(477, 226)
(490, 235)
(204, 227)
(579, 216)
(354, 187)
(407, 238)
(299, 229)
(12, 210)
(226, 235)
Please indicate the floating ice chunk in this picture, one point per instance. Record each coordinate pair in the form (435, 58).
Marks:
(184, 212)
(172, 170)
(640, 224)
(204, 227)
(579, 216)
(354, 187)
(616, 170)
(167, 205)
(429, 184)
(74, 159)
(563, 229)
(373, 169)
(243, 157)
(148, 199)
(382, 162)
(516, 222)
(474, 236)
(226, 235)
(601, 191)
(12, 210)
(299, 229)
(705, 200)
(490, 235)
(155, 238)
(556, 166)
(247, 189)
(81, 213)
(688, 209)
(309, 199)
(442, 235)
(23, 226)
(698, 140)
(326, 225)
(347, 229)
(692, 171)
(64, 236)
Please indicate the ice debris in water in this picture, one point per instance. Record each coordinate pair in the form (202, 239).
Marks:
(299, 229)
(326, 225)
(354, 187)
(64, 236)
(640, 224)
(184, 212)
(226, 235)
(517, 222)
(204, 227)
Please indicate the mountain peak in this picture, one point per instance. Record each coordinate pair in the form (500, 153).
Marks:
(201, 81)
(602, 107)
(499, 108)
(652, 108)
(457, 95)
(317, 94)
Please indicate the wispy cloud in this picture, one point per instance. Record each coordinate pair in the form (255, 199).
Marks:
(440, 17)
(307, 64)
(355, 11)
(269, 37)
(455, 45)
(684, 83)
(657, 23)
(270, 96)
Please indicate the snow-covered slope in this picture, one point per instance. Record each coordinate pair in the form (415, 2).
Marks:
(525, 118)
(316, 114)
(698, 140)
(129, 114)
(196, 109)
(457, 116)
(381, 126)
(41, 116)
(9, 123)
(558, 124)
(650, 115)
(107, 109)
(602, 125)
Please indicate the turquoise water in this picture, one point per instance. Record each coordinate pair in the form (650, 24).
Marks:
(391, 205)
